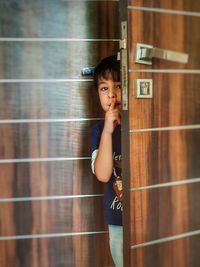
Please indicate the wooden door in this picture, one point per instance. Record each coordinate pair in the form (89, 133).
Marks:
(50, 203)
(161, 138)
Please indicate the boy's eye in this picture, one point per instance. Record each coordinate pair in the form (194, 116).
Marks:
(118, 86)
(103, 88)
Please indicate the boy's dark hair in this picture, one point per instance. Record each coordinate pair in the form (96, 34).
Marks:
(108, 66)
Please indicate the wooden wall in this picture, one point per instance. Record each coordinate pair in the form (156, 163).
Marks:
(162, 227)
(50, 204)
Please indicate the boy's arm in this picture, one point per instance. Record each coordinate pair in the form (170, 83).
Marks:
(103, 164)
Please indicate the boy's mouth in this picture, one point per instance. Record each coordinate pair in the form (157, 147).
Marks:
(117, 104)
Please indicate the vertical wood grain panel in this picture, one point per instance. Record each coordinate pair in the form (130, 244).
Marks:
(31, 140)
(164, 212)
(164, 156)
(182, 109)
(40, 19)
(187, 5)
(163, 137)
(61, 216)
(51, 252)
(79, 34)
(31, 54)
(54, 178)
(168, 253)
(48, 100)
(180, 34)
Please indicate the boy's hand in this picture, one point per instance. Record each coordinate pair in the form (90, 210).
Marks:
(112, 118)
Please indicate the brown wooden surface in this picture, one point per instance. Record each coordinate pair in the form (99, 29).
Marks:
(182, 109)
(33, 140)
(168, 254)
(179, 33)
(164, 156)
(55, 178)
(51, 59)
(48, 100)
(56, 54)
(163, 212)
(161, 155)
(187, 5)
(54, 19)
(61, 216)
(51, 252)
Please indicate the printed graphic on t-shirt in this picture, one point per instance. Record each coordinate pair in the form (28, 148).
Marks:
(116, 204)
(117, 184)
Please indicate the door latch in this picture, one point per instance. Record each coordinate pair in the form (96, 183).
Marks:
(124, 65)
(144, 54)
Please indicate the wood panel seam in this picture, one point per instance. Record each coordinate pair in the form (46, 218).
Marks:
(3, 161)
(26, 39)
(52, 235)
(47, 120)
(42, 198)
(165, 11)
(175, 183)
(166, 239)
(174, 71)
(44, 80)
(169, 128)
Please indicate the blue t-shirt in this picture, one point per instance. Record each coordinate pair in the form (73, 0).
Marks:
(112, 205)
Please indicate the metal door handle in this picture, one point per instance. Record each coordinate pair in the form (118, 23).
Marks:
(145, 53)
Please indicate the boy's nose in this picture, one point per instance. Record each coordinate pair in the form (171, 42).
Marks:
(112, 94)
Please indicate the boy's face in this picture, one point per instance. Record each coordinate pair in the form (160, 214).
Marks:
(109, 91)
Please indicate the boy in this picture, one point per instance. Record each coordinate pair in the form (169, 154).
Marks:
(106, 151)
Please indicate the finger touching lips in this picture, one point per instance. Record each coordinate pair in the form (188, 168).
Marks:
(112, 105)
